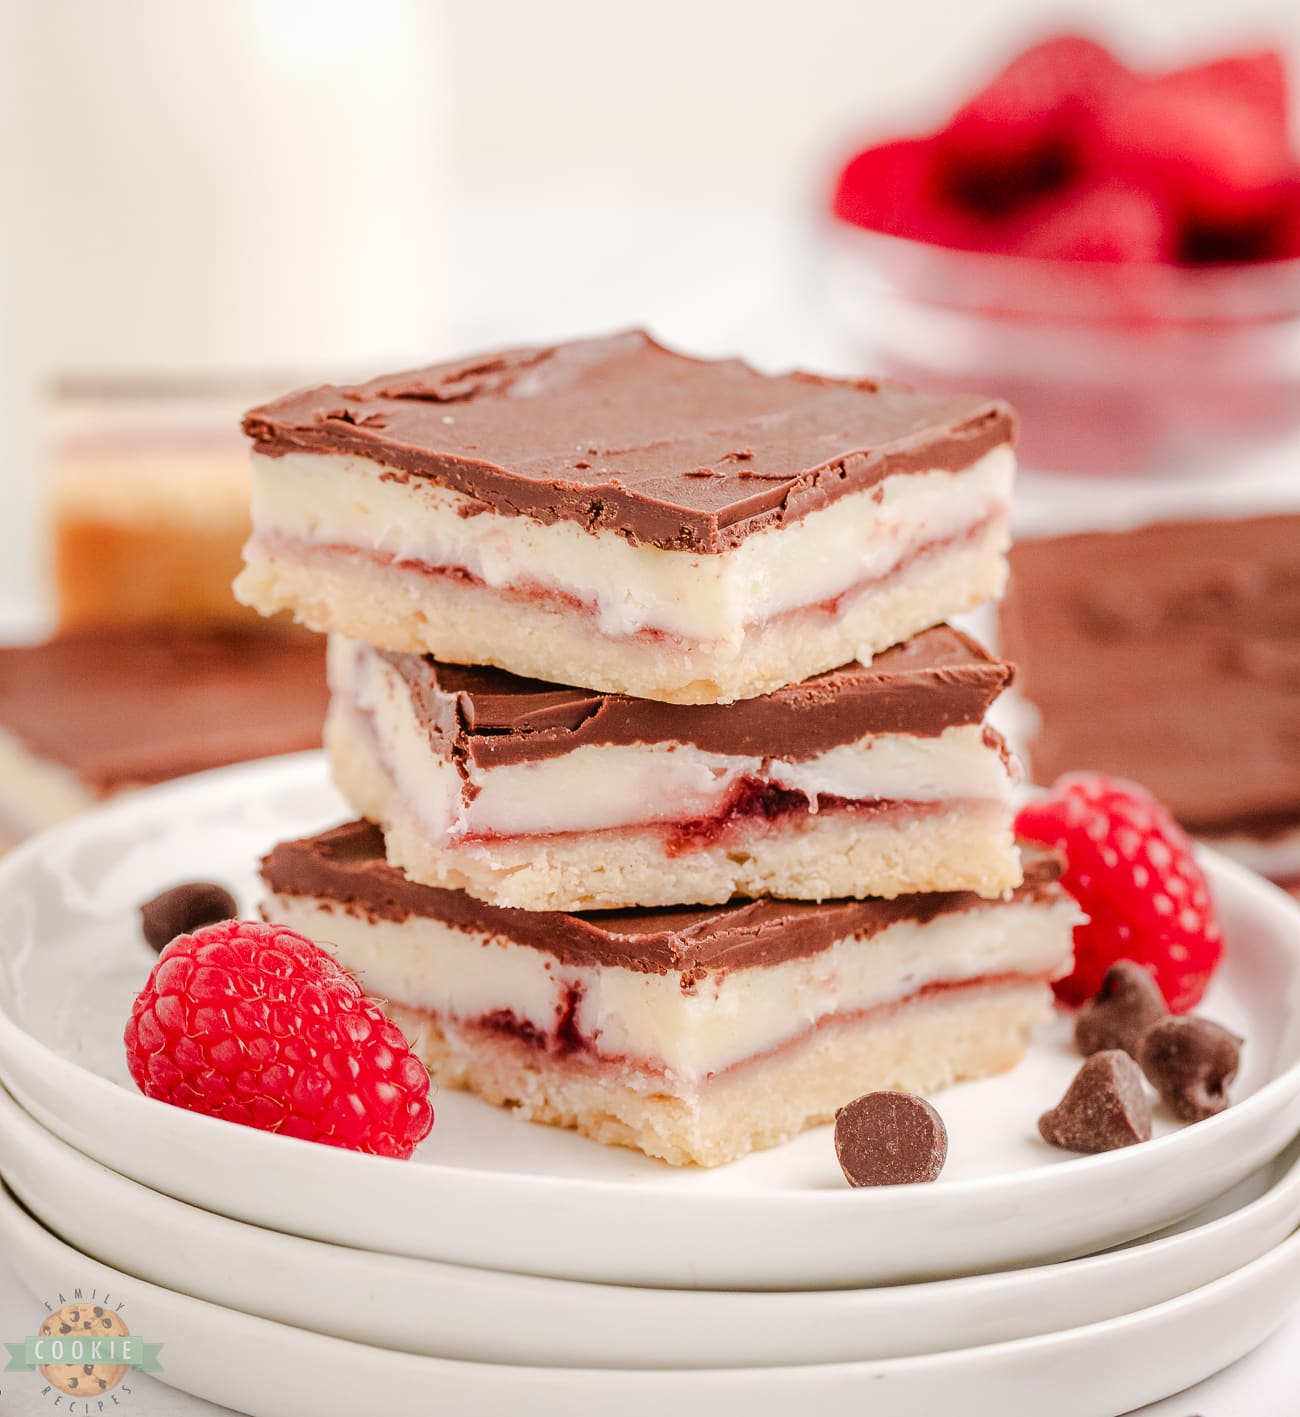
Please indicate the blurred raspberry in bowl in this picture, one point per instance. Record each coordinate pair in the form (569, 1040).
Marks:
(1118, 253)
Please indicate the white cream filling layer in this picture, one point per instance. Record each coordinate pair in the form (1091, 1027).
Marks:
(35, 792)
(604, 787)
(647, 1018)
(342, 500)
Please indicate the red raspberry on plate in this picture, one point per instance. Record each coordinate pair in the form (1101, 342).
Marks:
(1130, 866)
(255, 1024)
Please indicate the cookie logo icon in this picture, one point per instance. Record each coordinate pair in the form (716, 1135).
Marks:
(82, 1354)
(89, 1322)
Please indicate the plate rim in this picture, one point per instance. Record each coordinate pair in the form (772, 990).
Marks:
(1285, 1254)
(1232, 1120)
(1285, 1186)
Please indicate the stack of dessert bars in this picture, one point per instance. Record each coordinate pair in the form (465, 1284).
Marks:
(681, 820)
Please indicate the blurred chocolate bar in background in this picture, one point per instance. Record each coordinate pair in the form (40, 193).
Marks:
(1170, 653)
(154, 669)
(95, 712)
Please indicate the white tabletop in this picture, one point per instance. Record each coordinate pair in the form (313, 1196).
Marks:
(1261, 1385)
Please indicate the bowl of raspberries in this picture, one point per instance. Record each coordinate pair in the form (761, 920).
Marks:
(1115, 250)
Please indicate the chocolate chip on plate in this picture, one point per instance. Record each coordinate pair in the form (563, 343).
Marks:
(1105, 1107)
(1190, 1062)
(890, 1139)
(1127, 1004)
(184, 908)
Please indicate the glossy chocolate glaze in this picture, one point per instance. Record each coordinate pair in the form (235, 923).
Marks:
(620, 434)
(121, 707)
(346, 866)
(1169, 654)
(937, 680)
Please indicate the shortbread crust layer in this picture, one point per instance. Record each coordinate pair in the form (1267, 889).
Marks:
(920, 1046)
(465, 621)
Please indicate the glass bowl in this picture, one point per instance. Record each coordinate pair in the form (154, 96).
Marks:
(1113, 368)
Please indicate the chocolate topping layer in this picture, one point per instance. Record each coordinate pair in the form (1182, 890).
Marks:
(128, 706)
(937, 680)
(622, 435)
(1169, 654)
(347, 866)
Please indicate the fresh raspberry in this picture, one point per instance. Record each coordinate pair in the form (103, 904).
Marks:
(1286, 236)
(1257, 80)
(1029, 131)
(255, 1024)
(1069, 155)
(1131, 868)
(893, 188)
(1212, 146)
(1105, 221)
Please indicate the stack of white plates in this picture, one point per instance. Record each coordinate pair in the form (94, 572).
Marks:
(511, 1267)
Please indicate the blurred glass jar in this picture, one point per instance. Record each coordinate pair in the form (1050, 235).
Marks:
(1113, 368)
(203, 201)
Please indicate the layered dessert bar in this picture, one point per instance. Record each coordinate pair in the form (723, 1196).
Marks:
(150, 493)
(1169, 652)
(880, 781)
(694, 1034)
(94, 712)
(612, 513)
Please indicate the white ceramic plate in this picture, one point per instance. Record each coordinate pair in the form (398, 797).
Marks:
(449, 1311)
(490, 1191)
(275, 1370)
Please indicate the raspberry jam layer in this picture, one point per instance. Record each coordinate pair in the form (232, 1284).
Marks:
(526, 590)
(753, 800)
(566, 1042)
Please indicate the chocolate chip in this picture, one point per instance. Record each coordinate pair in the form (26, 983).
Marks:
(1127, 1004)
(1104, 1107)
(890, 1139)
(185, 908)
(1190, 1062)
